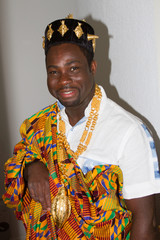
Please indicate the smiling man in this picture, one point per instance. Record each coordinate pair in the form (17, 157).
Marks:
(85, 168)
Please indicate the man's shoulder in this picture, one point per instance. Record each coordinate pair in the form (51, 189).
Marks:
(43, 113)
(38, 122)
(113, 114)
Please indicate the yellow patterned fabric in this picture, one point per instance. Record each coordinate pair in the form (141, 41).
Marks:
(98, 208)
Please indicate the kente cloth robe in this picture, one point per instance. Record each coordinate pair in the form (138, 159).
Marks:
(98, 209)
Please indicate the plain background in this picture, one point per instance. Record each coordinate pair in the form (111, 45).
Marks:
(128, 56)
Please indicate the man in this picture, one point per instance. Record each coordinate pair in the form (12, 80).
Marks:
(85, 167)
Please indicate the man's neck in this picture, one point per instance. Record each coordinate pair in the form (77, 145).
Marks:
(75, 114)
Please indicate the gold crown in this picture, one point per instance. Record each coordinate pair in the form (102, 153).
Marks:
(63, 29)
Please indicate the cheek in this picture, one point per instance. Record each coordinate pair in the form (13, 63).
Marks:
(51, 82)
(51, 85)
(82, 78)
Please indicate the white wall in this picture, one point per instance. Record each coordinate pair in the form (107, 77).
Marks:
(128, 53)
(134, 51)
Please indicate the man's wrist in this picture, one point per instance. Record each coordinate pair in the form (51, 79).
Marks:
(27, 166)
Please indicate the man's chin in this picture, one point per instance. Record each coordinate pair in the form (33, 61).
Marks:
(69, 103)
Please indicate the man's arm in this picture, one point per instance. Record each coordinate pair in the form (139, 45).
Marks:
(143, 223)
(36, 175)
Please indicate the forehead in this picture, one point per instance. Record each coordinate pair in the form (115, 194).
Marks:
(65, 49)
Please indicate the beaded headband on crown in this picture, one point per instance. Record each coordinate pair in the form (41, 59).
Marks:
(70, 30)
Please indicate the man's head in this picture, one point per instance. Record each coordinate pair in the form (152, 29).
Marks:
(69, 62)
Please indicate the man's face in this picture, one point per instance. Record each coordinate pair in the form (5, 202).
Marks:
(69, 77)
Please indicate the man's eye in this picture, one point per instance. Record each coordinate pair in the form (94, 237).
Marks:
(74, 69)
(52, 72)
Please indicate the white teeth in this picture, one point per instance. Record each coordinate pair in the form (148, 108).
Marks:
(68, 92)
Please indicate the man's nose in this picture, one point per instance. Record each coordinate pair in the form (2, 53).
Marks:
(64, 78)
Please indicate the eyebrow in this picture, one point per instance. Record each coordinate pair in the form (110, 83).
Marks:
(67, 64)
(74, 61)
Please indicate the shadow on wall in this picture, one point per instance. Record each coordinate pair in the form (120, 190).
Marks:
(103, 78)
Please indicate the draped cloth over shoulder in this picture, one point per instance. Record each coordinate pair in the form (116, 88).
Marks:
(97, 206)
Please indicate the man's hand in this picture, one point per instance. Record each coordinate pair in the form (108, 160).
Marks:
(37, 176)
(143, 224)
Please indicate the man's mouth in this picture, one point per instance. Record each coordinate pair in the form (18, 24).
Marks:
(67, 93)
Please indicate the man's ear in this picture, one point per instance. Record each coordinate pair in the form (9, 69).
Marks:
(93, 67)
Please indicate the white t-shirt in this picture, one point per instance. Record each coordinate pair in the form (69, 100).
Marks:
(119, 138)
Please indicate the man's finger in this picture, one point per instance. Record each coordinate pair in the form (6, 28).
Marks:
(48, 197)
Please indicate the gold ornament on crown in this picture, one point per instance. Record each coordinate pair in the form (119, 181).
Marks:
(43, 43)
(70, 16)
(63, 28)
(61, 206)
(93, 38)
(49, 32)
(78, 30)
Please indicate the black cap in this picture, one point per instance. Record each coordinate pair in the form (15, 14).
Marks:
(69, 30)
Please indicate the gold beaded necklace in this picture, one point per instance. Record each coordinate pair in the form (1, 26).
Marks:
(61, 205)
(87, 133)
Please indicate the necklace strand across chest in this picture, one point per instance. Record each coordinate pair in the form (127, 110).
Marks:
(89, 128)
